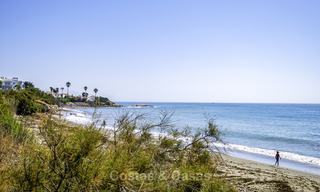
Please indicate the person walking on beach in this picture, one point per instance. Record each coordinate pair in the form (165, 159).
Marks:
(277, 159)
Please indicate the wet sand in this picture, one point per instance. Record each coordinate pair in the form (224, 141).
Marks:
(250, 176)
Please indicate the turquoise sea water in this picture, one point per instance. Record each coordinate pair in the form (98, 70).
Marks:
(256, 130)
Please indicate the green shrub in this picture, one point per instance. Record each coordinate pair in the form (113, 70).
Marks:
(126, 158)
(26, 100)
(25, 104)
(8, 124)
(66, 160)
(37, 94)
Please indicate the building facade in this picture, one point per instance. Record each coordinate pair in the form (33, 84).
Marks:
(7, 83)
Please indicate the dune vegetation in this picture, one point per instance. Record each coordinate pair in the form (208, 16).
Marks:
(41, 152)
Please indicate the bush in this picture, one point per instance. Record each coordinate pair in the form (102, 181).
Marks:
(67, 160)
(126, 158)
(8, 124)
(37, 94)
(25, 104)
(26, 100)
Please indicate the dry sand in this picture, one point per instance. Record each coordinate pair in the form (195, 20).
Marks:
(252, 176)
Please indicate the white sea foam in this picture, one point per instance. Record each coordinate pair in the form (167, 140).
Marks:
(140, 106)
(271, 153)
(77, 116)
(82, 118)
(260, 151)
(134, 107)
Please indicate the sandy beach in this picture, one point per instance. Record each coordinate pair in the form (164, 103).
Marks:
(250, 176)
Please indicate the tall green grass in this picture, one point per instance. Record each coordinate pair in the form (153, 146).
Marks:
(12, 135)
(9, 124)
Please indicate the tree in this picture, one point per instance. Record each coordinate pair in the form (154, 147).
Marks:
(85, 92)
(28, 85)
(17, 87)
(62, 88)
(0, 84)
(68, 84)
(51, 90)
(56, 91)
(95, 90)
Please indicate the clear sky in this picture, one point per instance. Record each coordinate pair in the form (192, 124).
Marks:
(167, 50)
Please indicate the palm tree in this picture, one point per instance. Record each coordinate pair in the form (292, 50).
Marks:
(68, 84)
(28, 84)
(62, 88)
(51, 89)
(56, 91)
(85, 91)
(95, 92)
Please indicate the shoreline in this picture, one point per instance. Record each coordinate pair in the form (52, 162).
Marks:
(250, 175)
(269, 160)
(267, 166)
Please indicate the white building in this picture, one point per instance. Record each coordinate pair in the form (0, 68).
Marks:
(91, 98)
(10, 83)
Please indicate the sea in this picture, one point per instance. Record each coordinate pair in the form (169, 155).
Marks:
(249, 131)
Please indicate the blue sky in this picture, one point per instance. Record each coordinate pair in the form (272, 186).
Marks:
(167, 50)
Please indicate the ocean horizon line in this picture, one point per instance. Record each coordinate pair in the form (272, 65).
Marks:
(196, 102)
